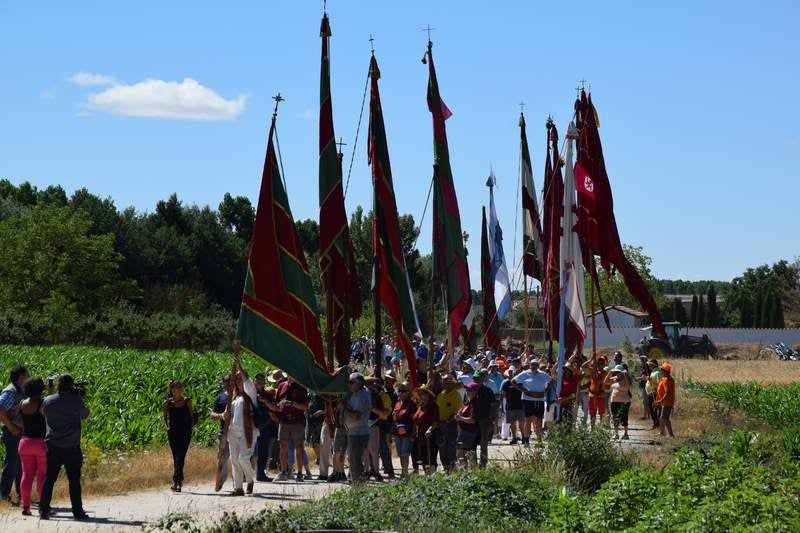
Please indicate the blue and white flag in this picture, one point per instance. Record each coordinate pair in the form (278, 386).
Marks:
(502, 285)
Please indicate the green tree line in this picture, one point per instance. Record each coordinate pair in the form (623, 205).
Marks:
(75, 268)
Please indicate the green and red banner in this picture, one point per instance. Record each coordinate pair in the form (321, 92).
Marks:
(491, 326)
(278, 317)
(532, 248)
(393, 285)
(336, 258)
(449, 255)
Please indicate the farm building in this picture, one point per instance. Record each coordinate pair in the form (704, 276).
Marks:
(620, 316)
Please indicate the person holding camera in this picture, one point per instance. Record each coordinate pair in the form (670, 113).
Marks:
(63, 413)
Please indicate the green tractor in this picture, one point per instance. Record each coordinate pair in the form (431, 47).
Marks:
(675, 344)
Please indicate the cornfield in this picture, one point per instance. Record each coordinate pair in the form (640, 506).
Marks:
(126, 388)
(777, 405)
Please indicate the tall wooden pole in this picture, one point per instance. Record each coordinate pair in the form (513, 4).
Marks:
(376, 305)
(594, 314)
(432, 329)
(525, 289)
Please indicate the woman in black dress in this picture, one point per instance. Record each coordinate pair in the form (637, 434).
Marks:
(179, 420)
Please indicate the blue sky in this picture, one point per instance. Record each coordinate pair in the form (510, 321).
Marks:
(696, 101)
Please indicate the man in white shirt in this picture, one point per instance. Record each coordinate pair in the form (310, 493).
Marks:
(534, 385)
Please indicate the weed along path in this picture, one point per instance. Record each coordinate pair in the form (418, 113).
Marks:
(132, 511)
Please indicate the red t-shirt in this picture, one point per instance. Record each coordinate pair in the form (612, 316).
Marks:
(569, 385)
(468, 410)
(403, 418)
(426, 416)
(293, 392)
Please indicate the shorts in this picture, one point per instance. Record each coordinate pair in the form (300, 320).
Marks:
(533, 408)
(404, 446)
(467, 440)
(515, 415)
(340, 440)
(666, 411)
(313, 431)
(597, 405)
(291, 432)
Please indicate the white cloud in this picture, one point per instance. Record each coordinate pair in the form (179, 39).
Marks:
(152, 98)
(87, 79)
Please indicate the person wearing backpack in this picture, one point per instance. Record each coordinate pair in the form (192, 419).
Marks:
(179, 420)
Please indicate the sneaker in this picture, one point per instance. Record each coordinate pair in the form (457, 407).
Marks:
(299, 478)
(390, 475)
(249, 488)
(237, 492)
(44, 515)
(308, 476)
(322, 477)
(26, 511)
(283, 476)
(378, 477)
(333, 478)
(513, 441)
(81, 515)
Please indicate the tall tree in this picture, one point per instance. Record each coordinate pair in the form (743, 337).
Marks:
(679, 311)
(712, 309)
(693, 312)
(701, 312)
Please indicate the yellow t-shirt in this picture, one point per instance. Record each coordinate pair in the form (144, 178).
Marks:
(449, 402)
(387, 405)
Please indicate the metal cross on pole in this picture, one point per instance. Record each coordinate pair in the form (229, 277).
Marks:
(521, 106)
(278, 99)
(340, 144)
(429, 30)
(371, 43)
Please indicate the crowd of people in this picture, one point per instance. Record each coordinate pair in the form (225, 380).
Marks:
(268, 423)
(460, 405)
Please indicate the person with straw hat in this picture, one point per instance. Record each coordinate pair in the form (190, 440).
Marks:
(403, 425)
(426, 427)
(620, 398)
(468, 432)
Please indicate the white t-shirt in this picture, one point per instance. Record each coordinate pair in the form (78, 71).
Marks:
(533, 382)
(237, 409)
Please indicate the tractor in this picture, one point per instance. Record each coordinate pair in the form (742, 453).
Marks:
(676, 344)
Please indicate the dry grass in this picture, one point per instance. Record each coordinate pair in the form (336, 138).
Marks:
(697, 415)
(134, 472)
(760, 371)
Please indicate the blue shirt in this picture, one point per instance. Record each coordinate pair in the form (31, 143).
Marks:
(494, 382)
(360, 401)
(534, 384)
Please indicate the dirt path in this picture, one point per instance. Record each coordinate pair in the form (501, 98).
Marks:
(129, 512)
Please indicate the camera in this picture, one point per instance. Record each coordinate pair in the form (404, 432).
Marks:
(79, 388)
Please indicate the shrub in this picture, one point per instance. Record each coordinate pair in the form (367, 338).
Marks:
(492, 499)
(586, 457)
(619, 502)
